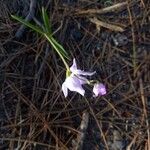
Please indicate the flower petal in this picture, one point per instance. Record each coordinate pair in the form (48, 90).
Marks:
(76, 71)
(74, 66)
(74, 84)
(84, 73)
(82, 80)
(64, 89)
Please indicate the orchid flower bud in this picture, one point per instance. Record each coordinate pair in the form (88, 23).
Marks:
(99, 89)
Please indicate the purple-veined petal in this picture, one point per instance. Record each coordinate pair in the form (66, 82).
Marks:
(99, 89)
(65, 89)
(73, 84)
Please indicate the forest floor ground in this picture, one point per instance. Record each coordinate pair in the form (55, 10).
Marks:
(111, 37)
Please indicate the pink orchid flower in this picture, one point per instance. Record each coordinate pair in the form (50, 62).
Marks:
(75, 81)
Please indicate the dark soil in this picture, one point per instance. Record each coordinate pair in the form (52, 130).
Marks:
(35, 115)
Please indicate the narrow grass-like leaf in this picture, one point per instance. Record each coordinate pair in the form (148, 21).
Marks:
(56, 46)
(46, 32)
(28, 24)
(57, 50)
(46, 21)
(61, 49)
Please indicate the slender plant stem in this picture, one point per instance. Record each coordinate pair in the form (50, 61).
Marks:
(62, 58)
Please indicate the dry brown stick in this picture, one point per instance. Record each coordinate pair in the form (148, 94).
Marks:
(100, 23)
(29, 17)
(35, 111)
(113, 8)
(28, 141)
(83, 128)
(142, 2)
(133, 39)
(103, 10)
(144, 103)
(43, 63)
(132, 142)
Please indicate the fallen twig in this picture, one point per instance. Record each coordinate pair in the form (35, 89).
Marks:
(144, 103)
(132, 142)
(29, 17)
(103, 10)
(43, 63)
(83, 128)
(113, 8)
(99, 23)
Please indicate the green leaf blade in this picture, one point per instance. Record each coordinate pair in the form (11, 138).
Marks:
(46, 21)
(26, 23)
(59, 49)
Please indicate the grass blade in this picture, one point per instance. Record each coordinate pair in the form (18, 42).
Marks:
(46, 21)
(61, 49)
(33, 27)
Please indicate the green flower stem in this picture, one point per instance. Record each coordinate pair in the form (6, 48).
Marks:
(54, 46)
(92, 82)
